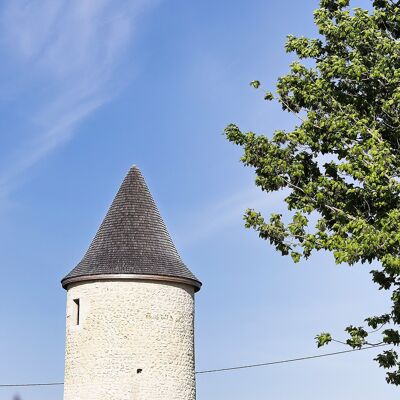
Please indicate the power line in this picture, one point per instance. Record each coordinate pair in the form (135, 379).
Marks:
(31, 384)
(209, 371)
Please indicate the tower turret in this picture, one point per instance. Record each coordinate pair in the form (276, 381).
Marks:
(130, 308)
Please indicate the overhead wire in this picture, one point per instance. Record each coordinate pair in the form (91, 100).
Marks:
(209, 371)
(290, 360)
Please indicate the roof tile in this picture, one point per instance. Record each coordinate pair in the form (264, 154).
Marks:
(133, 238)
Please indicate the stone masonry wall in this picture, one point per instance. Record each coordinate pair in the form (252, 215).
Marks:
(134, 341)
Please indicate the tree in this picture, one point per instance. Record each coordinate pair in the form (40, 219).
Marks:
(341, 163)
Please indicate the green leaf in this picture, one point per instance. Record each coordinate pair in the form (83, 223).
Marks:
(255, 84)
(323, 339)
(268, 96)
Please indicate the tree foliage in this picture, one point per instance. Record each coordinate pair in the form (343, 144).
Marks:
(341, 162)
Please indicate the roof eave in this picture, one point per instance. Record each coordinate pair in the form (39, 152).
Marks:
(131, 277)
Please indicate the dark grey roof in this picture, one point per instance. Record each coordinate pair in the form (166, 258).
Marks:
(132, 239)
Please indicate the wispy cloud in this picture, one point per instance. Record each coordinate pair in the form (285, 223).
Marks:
(73, 49)
(228, 212)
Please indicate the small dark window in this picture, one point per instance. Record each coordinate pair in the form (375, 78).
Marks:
(139, 370)
(77, 311)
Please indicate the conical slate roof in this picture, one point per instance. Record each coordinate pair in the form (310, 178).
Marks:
(132, 240)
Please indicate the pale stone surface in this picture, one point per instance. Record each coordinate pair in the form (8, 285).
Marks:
(126, 326)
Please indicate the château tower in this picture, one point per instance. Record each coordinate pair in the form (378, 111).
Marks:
(130, 308)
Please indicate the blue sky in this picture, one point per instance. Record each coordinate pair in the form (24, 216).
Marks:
(90, 88)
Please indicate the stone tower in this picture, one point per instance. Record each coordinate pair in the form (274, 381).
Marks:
(130, 308)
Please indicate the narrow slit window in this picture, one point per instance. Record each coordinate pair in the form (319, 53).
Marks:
(77, 311)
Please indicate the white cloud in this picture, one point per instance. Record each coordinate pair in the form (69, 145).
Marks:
(74, 48)
(228, 212)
